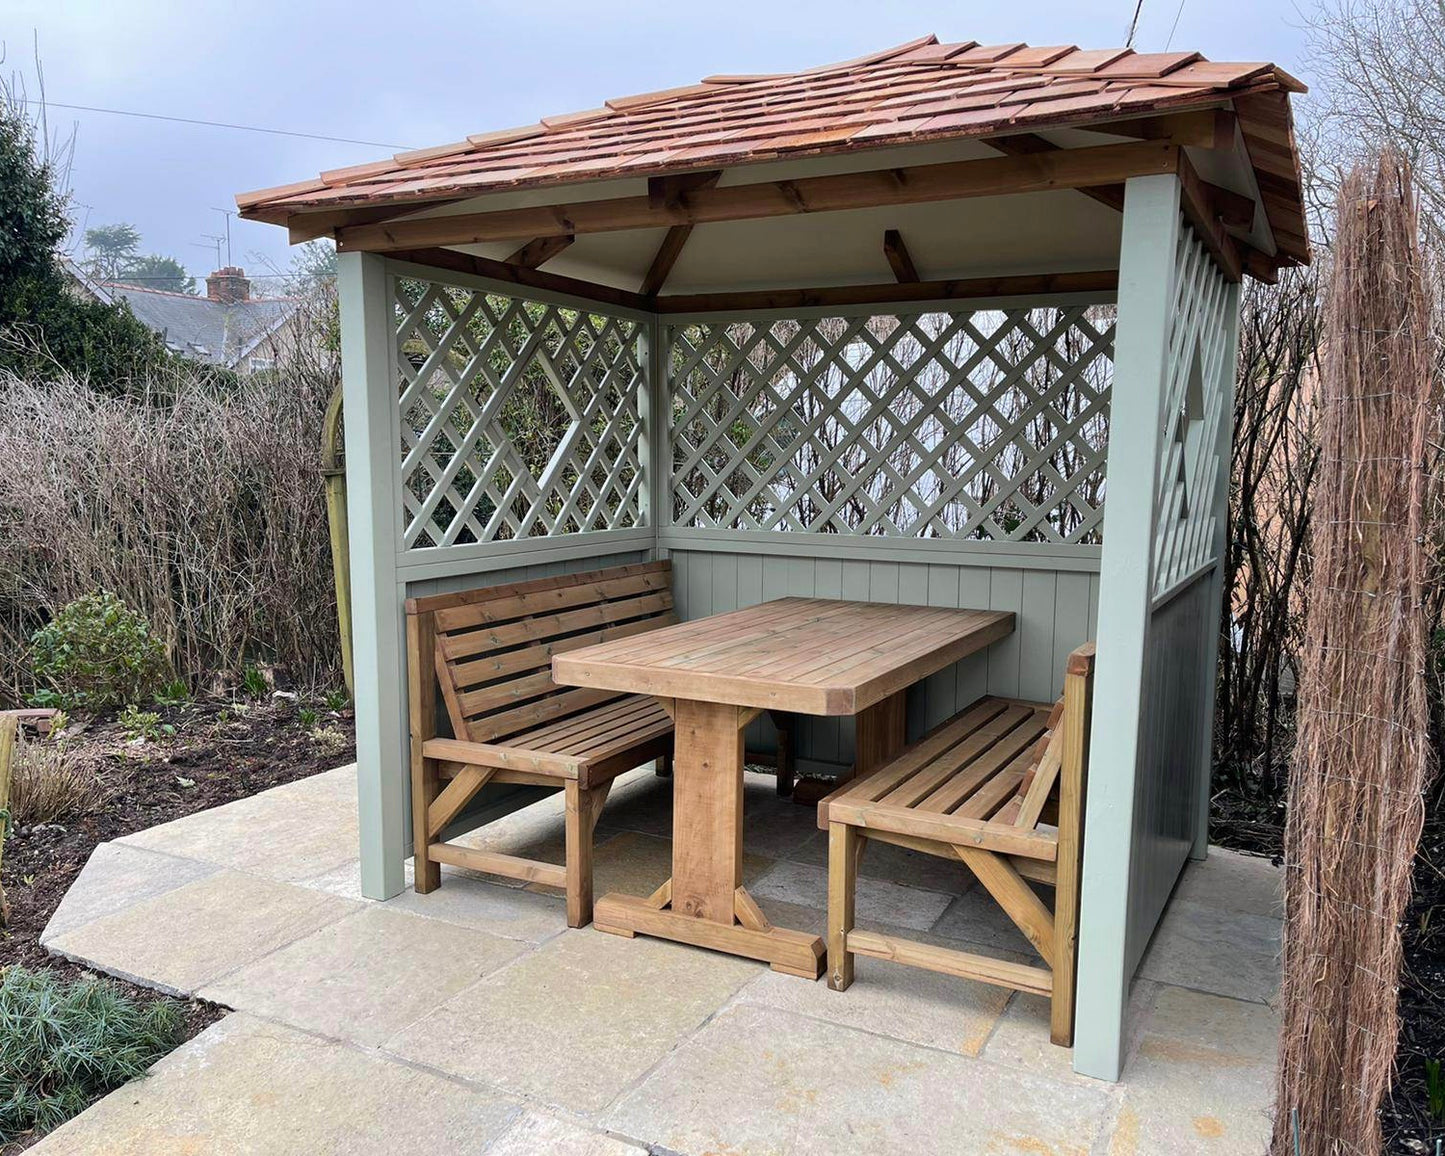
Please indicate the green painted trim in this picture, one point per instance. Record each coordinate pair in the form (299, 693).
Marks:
(1141, 352)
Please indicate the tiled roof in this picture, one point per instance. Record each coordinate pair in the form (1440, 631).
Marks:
(202, 328)
(918, 92)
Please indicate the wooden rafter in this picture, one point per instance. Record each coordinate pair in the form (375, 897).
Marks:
(1028, 144)
(538, 251)
(900, 260)
(1208, 128)
(520, 275)
(671, 192)
(1028, 284)
(991, 176)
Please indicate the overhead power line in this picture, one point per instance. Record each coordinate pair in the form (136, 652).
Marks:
(224, 124)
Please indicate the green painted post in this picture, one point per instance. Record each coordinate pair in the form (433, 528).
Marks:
(1210, 655)
(1141, 353)
(373, 506)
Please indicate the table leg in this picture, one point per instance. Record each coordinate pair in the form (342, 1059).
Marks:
(882, 731)
(704, 903)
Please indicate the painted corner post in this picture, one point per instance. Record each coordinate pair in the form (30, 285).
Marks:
(373, 503)
(1209, 676)
(1147, 261)
(656, 410)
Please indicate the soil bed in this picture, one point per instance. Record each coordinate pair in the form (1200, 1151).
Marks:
(208, 753)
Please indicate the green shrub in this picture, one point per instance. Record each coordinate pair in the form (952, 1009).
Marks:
(97, 653)
(63, 1043)
(145, 725)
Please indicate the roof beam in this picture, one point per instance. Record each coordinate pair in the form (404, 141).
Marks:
(521, 275)
(1028, 144)
(989, 177)
(665, 192)
(900, 260)
(538, 251)
(1028, 284)
(1208, 128)
(1205, 215)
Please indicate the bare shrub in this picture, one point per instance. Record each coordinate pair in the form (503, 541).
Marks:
(1275, 459)
(197, 500)
(49, 781)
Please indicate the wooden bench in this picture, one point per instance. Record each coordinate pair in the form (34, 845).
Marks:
(1001, 787)
(489, 654)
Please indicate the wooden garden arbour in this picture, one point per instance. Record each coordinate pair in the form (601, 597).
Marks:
(701, 425)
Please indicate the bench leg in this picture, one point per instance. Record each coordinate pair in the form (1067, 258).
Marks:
(425, 787)
(843, 845)
(579, 856)
(664, 767)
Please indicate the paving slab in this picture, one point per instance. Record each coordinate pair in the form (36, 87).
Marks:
(365, 977)
(1231, 881)
(289, 833)
(906, 1003)
(1225, 952)
(244, 1087)
(182, 940)
(534, 1134)
(1020, 1039)
(1202, 1080)
(576, 1021)
(760, 1080)
(637, 864)
(895, 864)
(485, 906)
(878, 901)
(976, 919)
(116, 876)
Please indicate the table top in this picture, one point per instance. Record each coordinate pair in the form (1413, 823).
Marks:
(819, 656)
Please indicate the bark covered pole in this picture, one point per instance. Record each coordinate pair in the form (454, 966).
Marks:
(1362, 758)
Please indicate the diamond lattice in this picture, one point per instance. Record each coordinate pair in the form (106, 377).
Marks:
(986, 424)
(1198, 382)
(518, 419)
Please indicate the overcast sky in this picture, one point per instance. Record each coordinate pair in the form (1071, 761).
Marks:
(424, 73)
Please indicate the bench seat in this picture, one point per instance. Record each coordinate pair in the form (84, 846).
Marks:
(1000, 786)
(485, 656)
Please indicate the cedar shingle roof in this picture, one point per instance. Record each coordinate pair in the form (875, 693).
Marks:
(918, 92)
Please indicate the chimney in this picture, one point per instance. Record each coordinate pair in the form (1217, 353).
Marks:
(228, 285)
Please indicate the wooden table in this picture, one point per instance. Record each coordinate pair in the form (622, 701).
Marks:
(715, 675)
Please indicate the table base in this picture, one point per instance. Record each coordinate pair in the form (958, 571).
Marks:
(750, 934)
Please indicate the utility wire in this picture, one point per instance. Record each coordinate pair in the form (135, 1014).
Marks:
(1134, 25)
(224, 124)
(1174, 27)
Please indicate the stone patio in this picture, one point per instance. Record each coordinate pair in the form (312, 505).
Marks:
(472, 1019)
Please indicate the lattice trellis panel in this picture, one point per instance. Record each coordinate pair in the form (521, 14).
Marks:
(984, 424)
(1197, 389)
(518, 419)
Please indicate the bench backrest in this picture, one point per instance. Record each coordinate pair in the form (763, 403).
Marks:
(493, 647)
(1061, 753)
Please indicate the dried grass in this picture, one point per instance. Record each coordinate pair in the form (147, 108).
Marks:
(50, 782)
(1363, 756)
(199, 502)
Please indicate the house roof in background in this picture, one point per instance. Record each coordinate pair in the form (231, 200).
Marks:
(202, 328)
(915, 93)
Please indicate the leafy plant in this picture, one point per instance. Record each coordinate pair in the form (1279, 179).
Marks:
(145, 725)
(253, 680)
(64, 1043)
(337, 700)
(1435, 1089)
(329, 740)
(97, 653)
(306, 717)
(174, 693)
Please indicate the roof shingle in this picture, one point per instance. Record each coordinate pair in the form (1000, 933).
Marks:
(917, 92)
